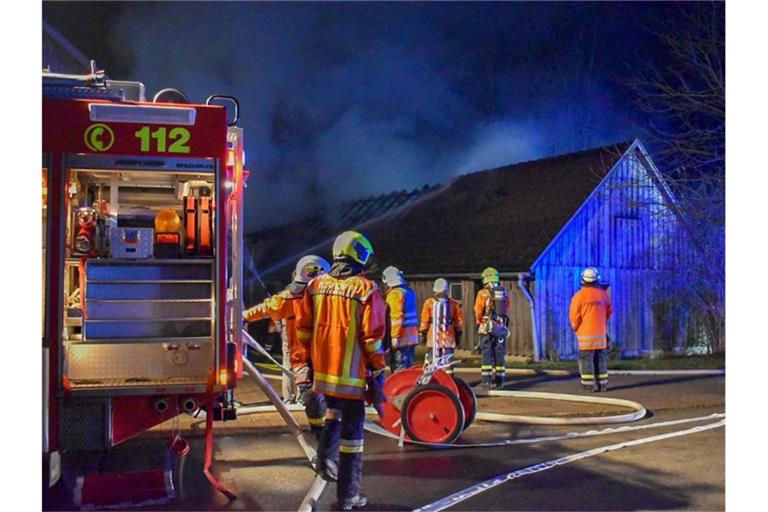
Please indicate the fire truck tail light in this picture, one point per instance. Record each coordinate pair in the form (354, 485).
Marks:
(142, 114)
(223, 377)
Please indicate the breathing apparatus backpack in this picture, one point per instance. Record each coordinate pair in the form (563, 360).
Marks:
(497, 323)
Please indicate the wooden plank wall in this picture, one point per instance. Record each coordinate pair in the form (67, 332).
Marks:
(623, 230)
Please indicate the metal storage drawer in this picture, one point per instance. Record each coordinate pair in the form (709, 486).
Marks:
(152, 301)
(147, 291)
(123, 270)
(148, 309)
(173, 329)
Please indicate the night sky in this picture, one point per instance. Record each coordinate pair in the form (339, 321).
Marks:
(345, 100)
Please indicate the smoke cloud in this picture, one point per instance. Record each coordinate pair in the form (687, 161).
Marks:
(346, 100)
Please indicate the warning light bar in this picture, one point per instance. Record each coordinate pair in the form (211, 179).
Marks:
(142, 114)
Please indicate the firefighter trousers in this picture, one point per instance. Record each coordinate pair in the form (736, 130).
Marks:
(494, 350)
(342, 440)
(403, 358)
(593, 367)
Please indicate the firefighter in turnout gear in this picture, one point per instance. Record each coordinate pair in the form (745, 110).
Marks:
(589, 313)
(441, 324)
(403, 321)
(341, 322)
(491, 305)
(282, 308)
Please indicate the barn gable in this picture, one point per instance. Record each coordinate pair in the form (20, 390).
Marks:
(628, 230)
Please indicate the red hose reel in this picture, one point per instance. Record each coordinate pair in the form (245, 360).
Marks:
(427, 405)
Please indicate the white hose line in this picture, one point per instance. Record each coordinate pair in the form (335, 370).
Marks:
(486, 485)
(282, 409)
(309, 503)
(639, 410)
(256, 345)
(566, 373)
(379, 430)
(670, 373)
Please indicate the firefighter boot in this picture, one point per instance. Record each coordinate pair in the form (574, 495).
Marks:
(499, 380)
(486, 382)
(326, 465)
(350, 480)
(357, 502)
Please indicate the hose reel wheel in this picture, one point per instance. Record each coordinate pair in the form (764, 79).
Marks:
(468, 401)
(433, 414)
(396, 389)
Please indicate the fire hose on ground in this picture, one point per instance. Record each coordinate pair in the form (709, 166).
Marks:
(402, 387)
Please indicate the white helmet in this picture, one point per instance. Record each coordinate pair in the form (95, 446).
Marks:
(309, 267)
(441, 286)
(392, 276)
(590, 275)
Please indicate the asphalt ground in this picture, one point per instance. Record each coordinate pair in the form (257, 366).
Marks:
(265, 467)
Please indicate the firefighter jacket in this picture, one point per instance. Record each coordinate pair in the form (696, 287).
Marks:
(341, 322)
(442, 320)
(589, 314)
(491, 305)
(282, 307)
(402, 315)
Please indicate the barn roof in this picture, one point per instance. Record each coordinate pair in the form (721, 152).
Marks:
(281, 246)
(503, 217)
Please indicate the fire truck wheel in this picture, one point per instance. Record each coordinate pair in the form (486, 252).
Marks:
(433, 414)
(468, 401)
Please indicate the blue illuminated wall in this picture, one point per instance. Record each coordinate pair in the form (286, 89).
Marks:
(627, 230)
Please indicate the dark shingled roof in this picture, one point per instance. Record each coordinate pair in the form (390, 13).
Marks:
(502, 217)
(277, 249)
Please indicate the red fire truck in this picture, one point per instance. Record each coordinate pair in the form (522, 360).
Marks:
(142, 244)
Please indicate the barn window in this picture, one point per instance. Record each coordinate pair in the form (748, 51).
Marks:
(455, 291)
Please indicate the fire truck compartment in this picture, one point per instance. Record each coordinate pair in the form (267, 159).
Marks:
(136, 325)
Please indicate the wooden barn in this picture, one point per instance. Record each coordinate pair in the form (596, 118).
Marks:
(539, 223)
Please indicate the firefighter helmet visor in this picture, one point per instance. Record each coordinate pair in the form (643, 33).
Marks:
(354, 245)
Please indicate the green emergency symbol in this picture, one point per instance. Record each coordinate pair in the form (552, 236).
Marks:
(99, 137)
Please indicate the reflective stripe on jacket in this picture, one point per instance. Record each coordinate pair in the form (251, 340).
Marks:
(341, 323)
(484, 303)
(403, 317)
(589, 314)
(442, 320)
(281, 306)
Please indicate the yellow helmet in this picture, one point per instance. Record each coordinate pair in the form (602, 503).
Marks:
(167, 221)
(490, 275)
(353, 245)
